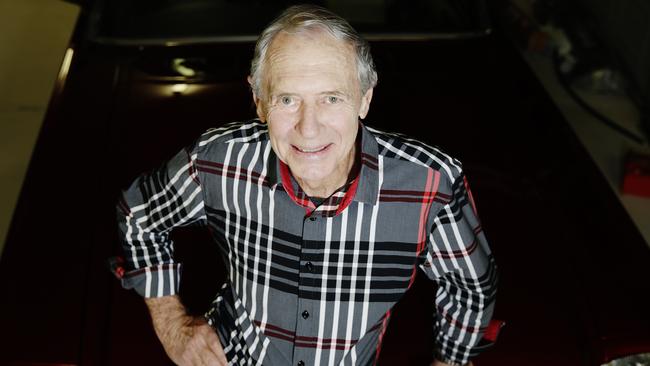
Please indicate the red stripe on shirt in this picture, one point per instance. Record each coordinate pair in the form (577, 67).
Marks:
(349, 195)
(286, 183)
(381, 336)
(431, 188)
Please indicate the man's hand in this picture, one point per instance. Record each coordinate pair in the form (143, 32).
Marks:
(440, 363)
(187, 340)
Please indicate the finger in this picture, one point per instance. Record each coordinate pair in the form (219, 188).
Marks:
(212, 345)
(220, 353)
(194, 354)
(208, 358)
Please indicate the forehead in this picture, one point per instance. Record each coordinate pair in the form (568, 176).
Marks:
(310, 56)
(315, 37)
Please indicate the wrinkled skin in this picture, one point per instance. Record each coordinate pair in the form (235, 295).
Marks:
(312, 103)
(187, 340)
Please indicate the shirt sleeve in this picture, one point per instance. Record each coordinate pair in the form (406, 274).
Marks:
(460, 262)
(154, 204)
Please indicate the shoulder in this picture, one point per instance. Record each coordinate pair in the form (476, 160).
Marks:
(242, 133)
(415, 154)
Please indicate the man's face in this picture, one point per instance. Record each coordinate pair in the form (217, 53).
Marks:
(312, 103)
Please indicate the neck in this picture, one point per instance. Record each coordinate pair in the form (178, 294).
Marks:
(319, 190)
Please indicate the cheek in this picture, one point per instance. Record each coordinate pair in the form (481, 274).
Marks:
(279, 148)
(279, 130)
(281, 118)
(346, 125)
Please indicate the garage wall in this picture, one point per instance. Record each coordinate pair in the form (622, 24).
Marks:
(625, 27)
(33, 38)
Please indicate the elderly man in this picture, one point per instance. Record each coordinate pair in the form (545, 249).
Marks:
(321, 221)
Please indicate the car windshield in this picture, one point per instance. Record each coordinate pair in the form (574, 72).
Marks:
(166, 20)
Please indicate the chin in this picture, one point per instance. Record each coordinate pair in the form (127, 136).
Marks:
(314, 174)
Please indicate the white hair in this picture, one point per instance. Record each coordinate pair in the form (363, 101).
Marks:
(301, 18)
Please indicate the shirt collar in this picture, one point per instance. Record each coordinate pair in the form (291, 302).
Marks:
(363, 188)
(368, 190)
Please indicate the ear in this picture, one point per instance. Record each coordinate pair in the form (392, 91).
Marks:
(259, 105)
(365, 104)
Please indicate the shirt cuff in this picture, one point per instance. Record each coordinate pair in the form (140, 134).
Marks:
(490, 335)
(155, 281)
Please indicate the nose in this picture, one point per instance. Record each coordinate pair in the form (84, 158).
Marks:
(308, 125)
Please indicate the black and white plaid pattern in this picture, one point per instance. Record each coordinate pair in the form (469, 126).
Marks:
(307, 283)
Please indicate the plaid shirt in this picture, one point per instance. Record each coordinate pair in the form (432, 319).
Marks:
(315, 285)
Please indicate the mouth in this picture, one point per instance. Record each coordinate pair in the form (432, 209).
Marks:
(311, 150)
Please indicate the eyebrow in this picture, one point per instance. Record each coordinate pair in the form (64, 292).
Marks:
(333, 92)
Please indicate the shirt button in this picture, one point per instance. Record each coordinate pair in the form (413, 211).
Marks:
(309, 266)
(312, 219)
(305, 314)
(301, 363)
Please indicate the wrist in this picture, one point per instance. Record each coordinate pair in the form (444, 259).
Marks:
(437, 362)
(168, 316)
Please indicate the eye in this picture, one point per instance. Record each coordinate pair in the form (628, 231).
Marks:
(286, 100)
(333, 99)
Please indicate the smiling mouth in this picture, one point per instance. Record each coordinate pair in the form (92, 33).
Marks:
(311, 150)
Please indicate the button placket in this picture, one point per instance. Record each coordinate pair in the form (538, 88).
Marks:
(304, 321)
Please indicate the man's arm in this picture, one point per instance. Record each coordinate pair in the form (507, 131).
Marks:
(147, 212)
(187, 340)
(461, 263)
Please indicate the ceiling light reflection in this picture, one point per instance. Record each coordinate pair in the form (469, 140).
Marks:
(178, 64)
(178, 89)
(65, 65)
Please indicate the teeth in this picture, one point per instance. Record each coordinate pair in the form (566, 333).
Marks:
(312, 150)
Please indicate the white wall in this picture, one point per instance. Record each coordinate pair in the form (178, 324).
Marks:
(33, 38)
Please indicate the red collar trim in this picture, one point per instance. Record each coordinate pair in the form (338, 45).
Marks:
(288, 186)
(349, 195)
(285, 175)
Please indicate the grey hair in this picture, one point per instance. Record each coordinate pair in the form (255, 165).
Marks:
(300, 18)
